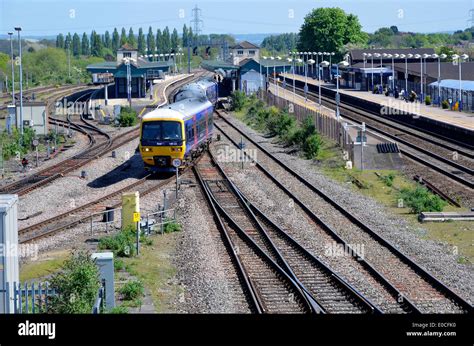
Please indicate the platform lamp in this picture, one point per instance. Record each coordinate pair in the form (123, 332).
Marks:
(370, 55)
(129, 81)
(330, 63)
(384, 55)
(364, 55)
(377, 55)
(394, 56)
(320, 54)
(13, 67)
(323, 64)
(308, 62)
(277, 78)
(290, 61)
(341, 64)
(439, 57)
(459, 60)
(18, 29)
(418, 56)
(425, 56)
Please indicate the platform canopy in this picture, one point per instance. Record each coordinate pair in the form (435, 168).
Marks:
(466, 85)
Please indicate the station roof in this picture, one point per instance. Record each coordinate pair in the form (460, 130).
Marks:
(448, 70)
(466, 85)
(137, 69)
(245, 45)
(274, 62)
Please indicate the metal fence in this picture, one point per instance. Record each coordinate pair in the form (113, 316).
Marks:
(32, 298)
(325, 125)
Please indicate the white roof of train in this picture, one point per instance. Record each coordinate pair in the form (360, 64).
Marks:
(179, 110)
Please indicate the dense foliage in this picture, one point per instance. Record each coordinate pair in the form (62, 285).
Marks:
(420, 199)
(329, 30)
(280, 43)
(128, 117)
(77, 285)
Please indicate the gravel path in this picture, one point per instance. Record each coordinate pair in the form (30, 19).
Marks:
(204, 266)
(437, 258)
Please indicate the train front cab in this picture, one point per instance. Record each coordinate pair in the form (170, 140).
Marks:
(158, 151)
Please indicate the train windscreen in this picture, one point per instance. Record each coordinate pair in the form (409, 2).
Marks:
(161, 131)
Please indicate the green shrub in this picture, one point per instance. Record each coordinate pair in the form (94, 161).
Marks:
(122, 244)
(127, 117)
(388, 179)
(428, 100)
(279, 123)
(421, 199)
(132, 290)
(171, 226)
(239, 99)
(311, 146)
(118, 264)
(445, 104)
(77, 285)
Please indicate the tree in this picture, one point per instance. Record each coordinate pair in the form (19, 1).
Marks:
(190, 36)
(85, 45)
(60, 41)
(123, 37)
(68, 41)
(185, 36)
(76, 45)
(96, 44)
(166, 40)
(150, 41)
(107, 41)
(131, 39)
(394, 29)
(159, 41)
(115, 40)
(174, 39)
(329, 29)
(141, 42)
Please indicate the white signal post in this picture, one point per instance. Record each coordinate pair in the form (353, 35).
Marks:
(176, 164)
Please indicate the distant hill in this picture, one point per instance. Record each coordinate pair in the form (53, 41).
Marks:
(252, 38)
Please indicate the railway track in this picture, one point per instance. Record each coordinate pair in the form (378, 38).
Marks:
(83, 213)
(270, 287)
(100, 143)
(322, 286)
(419, 289)
(432, 152)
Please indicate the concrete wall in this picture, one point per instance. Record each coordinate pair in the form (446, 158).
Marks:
(35, 113)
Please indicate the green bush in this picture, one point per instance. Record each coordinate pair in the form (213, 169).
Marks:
(171, 226)
(122, 244)
(311, 146)
(239, 100)
(388, 179)
(428, 100)
(127, 117)
(421, 199)
(445, 104)
(132, 290)
(77, 285)
(16, 144)
(279, 123)
(118, 264)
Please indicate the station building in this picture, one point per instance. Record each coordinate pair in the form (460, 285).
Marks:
(142, 71)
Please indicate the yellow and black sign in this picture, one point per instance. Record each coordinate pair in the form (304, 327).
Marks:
(136, 217)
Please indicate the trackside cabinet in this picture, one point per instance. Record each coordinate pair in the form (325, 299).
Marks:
(9, 271)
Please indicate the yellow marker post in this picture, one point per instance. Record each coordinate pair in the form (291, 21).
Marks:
(130, 206)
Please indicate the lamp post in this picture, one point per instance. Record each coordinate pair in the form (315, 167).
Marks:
(379, 55)
(418, 56)
(342, 64)
(266, 75)
(425, 56)
(13, 68)
(330, 64)
(18, 29)
(371, 56)
(308, 62)
(365, 74)
(394, 56)
(459, 60)
(322, 65)
(441, 56)
(129, 81)
(276, 77)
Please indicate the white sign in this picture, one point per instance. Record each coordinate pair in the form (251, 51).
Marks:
(35, 142)
(176, 163)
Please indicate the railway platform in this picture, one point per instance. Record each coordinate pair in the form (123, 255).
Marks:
(435, 115)
(369, 158)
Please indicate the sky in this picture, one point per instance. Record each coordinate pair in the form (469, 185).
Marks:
(49, 17)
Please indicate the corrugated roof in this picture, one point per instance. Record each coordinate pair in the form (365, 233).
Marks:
(448, 70)
(216, 64)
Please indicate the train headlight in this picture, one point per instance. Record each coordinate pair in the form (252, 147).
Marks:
(177, 149)
(146, 149)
